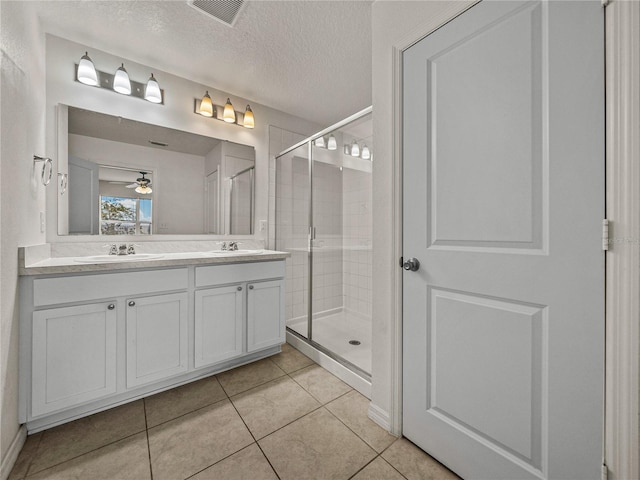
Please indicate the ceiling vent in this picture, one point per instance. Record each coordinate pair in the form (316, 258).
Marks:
(225, 11)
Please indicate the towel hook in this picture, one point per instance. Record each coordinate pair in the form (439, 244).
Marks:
(45, 161)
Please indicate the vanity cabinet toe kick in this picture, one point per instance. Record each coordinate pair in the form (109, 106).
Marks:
(89, 342)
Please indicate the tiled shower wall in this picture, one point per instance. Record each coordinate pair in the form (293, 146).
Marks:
(357, 232)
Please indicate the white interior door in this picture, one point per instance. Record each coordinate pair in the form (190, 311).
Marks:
(503, 151)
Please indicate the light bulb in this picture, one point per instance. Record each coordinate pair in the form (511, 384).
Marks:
(121, 83)
(248, 118)
(152, 91)
(331, 143)
(347, 149)
(87, 71)
(320, 142)
(365, 154)
(355, 149)
(206, 105)
(229, 114)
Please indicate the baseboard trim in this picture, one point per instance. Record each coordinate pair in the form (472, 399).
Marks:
(10, 458)
(380, 416)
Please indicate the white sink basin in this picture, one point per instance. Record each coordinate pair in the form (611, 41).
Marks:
(226, 253)
(118, 258)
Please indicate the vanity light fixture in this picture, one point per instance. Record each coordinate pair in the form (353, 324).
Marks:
(87, 71)
(331, 143)
(366, 153)
(355, 149)
(121, 82)
(229, 114)
(248, 118)
(206, 105)
(319, 142)
(152, 91)
(226, 113)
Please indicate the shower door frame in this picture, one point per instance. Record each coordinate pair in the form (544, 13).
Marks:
(311, 236)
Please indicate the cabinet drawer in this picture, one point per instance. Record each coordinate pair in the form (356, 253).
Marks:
(239, 272)
(51, 291)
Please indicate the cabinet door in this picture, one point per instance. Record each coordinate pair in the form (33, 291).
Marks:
(218, 324)
(157, 340)
(265, 315)
(73, 355)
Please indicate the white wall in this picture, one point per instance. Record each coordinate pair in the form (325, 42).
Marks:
(22, 126)
(395, 25)
(177, 112)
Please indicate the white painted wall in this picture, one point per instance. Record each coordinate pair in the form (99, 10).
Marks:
(177, 112)
(395, 25)
(22, 127)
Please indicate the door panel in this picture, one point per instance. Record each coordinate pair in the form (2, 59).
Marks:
(503, 186)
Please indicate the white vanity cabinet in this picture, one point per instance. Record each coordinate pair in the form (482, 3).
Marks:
(244, 316)
(219, 315)
(93, 340)
(74, 356)
(265, 308)
(157, 338)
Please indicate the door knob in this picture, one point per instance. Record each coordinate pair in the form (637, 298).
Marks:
(411, 264)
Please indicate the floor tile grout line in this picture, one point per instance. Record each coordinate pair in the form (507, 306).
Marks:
(87, 452)
(364, 466)
(313, 396)
(255, 440)
(34, 456)
(356, 433)
(189, 412)
(254, 386)
(146, 431)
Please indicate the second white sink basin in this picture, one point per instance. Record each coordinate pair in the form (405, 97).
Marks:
(118, 258)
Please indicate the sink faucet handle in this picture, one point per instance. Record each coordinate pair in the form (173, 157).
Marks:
(223, 247)
(131, 249)
(233, 246)
(113, 248)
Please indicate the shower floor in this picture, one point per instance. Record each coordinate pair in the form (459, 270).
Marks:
(334, 332)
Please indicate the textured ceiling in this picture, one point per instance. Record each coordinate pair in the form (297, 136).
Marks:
(307, 58)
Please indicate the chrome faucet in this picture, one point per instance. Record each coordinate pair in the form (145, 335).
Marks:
(113, 249)
(233, 246)
(122, 249)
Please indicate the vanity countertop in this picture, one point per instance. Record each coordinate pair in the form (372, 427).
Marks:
(106, 263)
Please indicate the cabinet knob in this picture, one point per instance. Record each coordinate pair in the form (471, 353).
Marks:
(111, 306)
(132, 303)
(250, 287)
(239, 288)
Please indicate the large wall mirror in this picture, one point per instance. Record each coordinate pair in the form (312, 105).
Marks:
(126, 177)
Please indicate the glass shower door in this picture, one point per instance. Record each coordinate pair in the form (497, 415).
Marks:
(293, 195)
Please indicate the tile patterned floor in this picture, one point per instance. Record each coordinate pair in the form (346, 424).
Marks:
(279, 418)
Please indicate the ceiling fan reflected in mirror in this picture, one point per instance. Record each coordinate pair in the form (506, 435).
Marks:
(142, 185)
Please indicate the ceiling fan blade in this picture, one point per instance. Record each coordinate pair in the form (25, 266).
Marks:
(133, 185)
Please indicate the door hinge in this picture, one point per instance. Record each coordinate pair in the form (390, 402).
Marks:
(604, 473)
(605, 234)
(401, 262)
